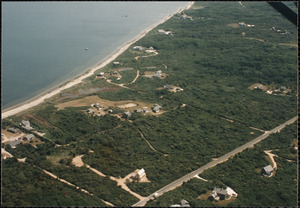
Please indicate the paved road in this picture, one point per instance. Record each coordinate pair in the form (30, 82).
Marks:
(211, 164)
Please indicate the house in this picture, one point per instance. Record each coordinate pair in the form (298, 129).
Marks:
(268, 171)
(14, 143)
(183, 203)
(138, 48)
(110, 111)
(115, 72)
(116, 63)
(184, 17)
(139, 175)
(100, 74)
(28, 137)
(269, 92)
(156, 108)
(98, 106)
(282, 88)
(259, 87)
(242, 24)
(99, 115)
(160, 31)
(90, 111)
(146, 110)
(13, 130)
(126, 115)
(169, 87)
(138, 110)
(223, 194)
(158, 74)
(26, 125)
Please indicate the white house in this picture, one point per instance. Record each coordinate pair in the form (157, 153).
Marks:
(138, 48)
(223, 194)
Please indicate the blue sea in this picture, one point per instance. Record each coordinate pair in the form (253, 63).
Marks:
(43, 43)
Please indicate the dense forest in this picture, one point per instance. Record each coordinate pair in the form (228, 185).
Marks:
(215, 61)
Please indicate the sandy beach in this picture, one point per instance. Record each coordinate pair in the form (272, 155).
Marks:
(29, 104)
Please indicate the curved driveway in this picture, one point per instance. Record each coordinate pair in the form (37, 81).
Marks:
(211, 164)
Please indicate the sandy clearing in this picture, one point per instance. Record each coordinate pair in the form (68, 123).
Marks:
(11, 138)
(22, 159)
(129, 105)
(77, 161)
(41, 98)
(87, 101)
(4, 152)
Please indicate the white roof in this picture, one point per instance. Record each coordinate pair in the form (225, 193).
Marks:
(141, 172)
(230, 191)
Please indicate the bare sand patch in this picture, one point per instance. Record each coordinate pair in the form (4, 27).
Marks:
(22, 160)
(77, 161)
(129, 105)
(5, 153)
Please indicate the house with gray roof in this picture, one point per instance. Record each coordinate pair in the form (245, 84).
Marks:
(14, 144)
(158, 74)
(28, 137)
(138, 110)
(268, 171)
(156, 108)
(126, 115)
(90, 111)
(13, 130)
(169, 87)
(183, 203)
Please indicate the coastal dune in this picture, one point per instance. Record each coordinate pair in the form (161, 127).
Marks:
(42, 98)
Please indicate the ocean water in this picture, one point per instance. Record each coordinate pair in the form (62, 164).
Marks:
(43, 43)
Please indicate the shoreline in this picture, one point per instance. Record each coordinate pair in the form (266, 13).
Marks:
(87, 73)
